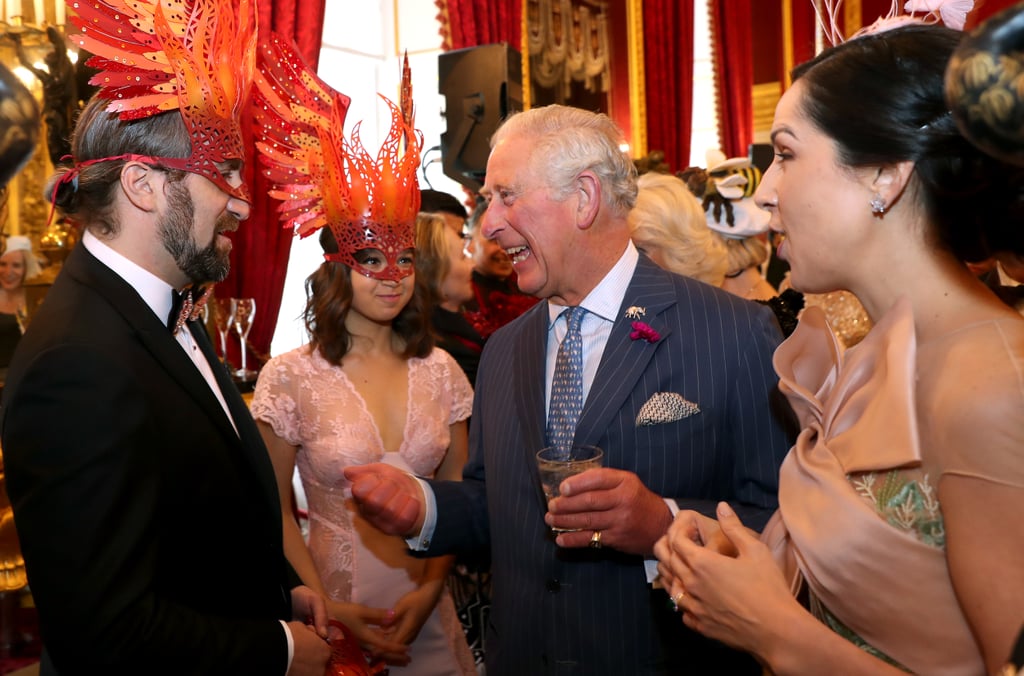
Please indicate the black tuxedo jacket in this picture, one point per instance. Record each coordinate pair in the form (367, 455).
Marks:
(151, 530)
(588, 611)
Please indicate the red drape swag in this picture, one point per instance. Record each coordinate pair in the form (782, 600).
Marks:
(668, 72)
(470, 23)
(734, 74)
(259, 257)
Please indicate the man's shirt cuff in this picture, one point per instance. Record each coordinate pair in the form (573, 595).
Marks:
(291, 644)
(651, 565)
(421, 542)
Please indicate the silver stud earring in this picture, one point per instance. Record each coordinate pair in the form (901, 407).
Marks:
(877, 204)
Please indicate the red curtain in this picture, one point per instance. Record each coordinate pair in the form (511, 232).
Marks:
(259, 257)
(731, 33)
(805, 26)
(668, 71)
(469, 23)
(986, 9)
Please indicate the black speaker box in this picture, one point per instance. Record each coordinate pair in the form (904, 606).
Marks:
(481, 87)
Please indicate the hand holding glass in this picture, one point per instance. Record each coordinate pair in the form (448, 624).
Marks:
(556, 464)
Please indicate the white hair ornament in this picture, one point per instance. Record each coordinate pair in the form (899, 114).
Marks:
(952, 13)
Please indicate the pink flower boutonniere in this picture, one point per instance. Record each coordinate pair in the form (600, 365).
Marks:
(643, 331)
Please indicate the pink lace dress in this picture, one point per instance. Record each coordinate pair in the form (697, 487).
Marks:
(859, 519)
(313, 406)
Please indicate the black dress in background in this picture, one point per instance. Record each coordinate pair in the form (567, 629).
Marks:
(457, 337)
(10, 334)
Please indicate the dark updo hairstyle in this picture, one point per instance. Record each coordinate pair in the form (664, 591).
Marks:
(329, 299)
(89, 198)
(880, 98)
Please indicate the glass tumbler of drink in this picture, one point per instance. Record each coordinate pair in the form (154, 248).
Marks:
(557, 463)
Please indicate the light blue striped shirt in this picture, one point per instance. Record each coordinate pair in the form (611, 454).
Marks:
(602, 305)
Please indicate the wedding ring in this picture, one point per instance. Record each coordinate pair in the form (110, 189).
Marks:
(595, 540)
(677, 600)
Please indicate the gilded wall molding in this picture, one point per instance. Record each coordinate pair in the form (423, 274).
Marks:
(765, 97)
(637, 76)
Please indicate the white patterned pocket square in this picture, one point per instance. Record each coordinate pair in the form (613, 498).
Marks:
(665, 407)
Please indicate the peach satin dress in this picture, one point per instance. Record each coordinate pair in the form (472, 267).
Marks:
(859, 520)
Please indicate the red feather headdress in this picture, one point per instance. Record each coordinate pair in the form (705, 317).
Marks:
(326, 179)
(194, 56)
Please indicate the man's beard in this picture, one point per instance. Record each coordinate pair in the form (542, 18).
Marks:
(201, 265)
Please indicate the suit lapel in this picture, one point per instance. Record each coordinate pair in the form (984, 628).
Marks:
(252, 442)
(153, 334)
(528, 381)
(625, 360)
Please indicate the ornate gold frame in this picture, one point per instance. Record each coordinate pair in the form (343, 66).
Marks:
(629, 107)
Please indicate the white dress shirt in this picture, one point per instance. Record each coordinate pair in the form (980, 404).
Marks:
(601, 304)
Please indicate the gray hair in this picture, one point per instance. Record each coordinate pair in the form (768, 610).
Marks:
(568, 141)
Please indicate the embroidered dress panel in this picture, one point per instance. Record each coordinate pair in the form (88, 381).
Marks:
(907, 501)
(567, 384)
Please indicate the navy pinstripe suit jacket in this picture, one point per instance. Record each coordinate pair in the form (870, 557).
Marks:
(592, 611)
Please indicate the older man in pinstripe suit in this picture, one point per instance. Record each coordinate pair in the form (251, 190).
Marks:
(681, 403)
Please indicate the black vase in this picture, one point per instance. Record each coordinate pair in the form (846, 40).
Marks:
(19, 125)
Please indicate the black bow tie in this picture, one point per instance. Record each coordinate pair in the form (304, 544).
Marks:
(186, 306)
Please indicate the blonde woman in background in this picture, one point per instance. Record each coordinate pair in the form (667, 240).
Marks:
(667, 224)
(746, 255)
(735, 221)
(17, 264)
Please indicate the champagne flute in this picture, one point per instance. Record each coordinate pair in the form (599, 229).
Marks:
(242, 312)
(222, 314)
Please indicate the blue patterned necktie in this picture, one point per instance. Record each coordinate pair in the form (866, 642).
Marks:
(567, 384)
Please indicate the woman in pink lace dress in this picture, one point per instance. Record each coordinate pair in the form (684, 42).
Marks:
(898, 541)
(369, 387)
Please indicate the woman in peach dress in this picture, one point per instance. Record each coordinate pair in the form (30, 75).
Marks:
(898, 542)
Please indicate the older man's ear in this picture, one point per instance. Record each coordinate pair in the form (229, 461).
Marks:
(588, 192)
